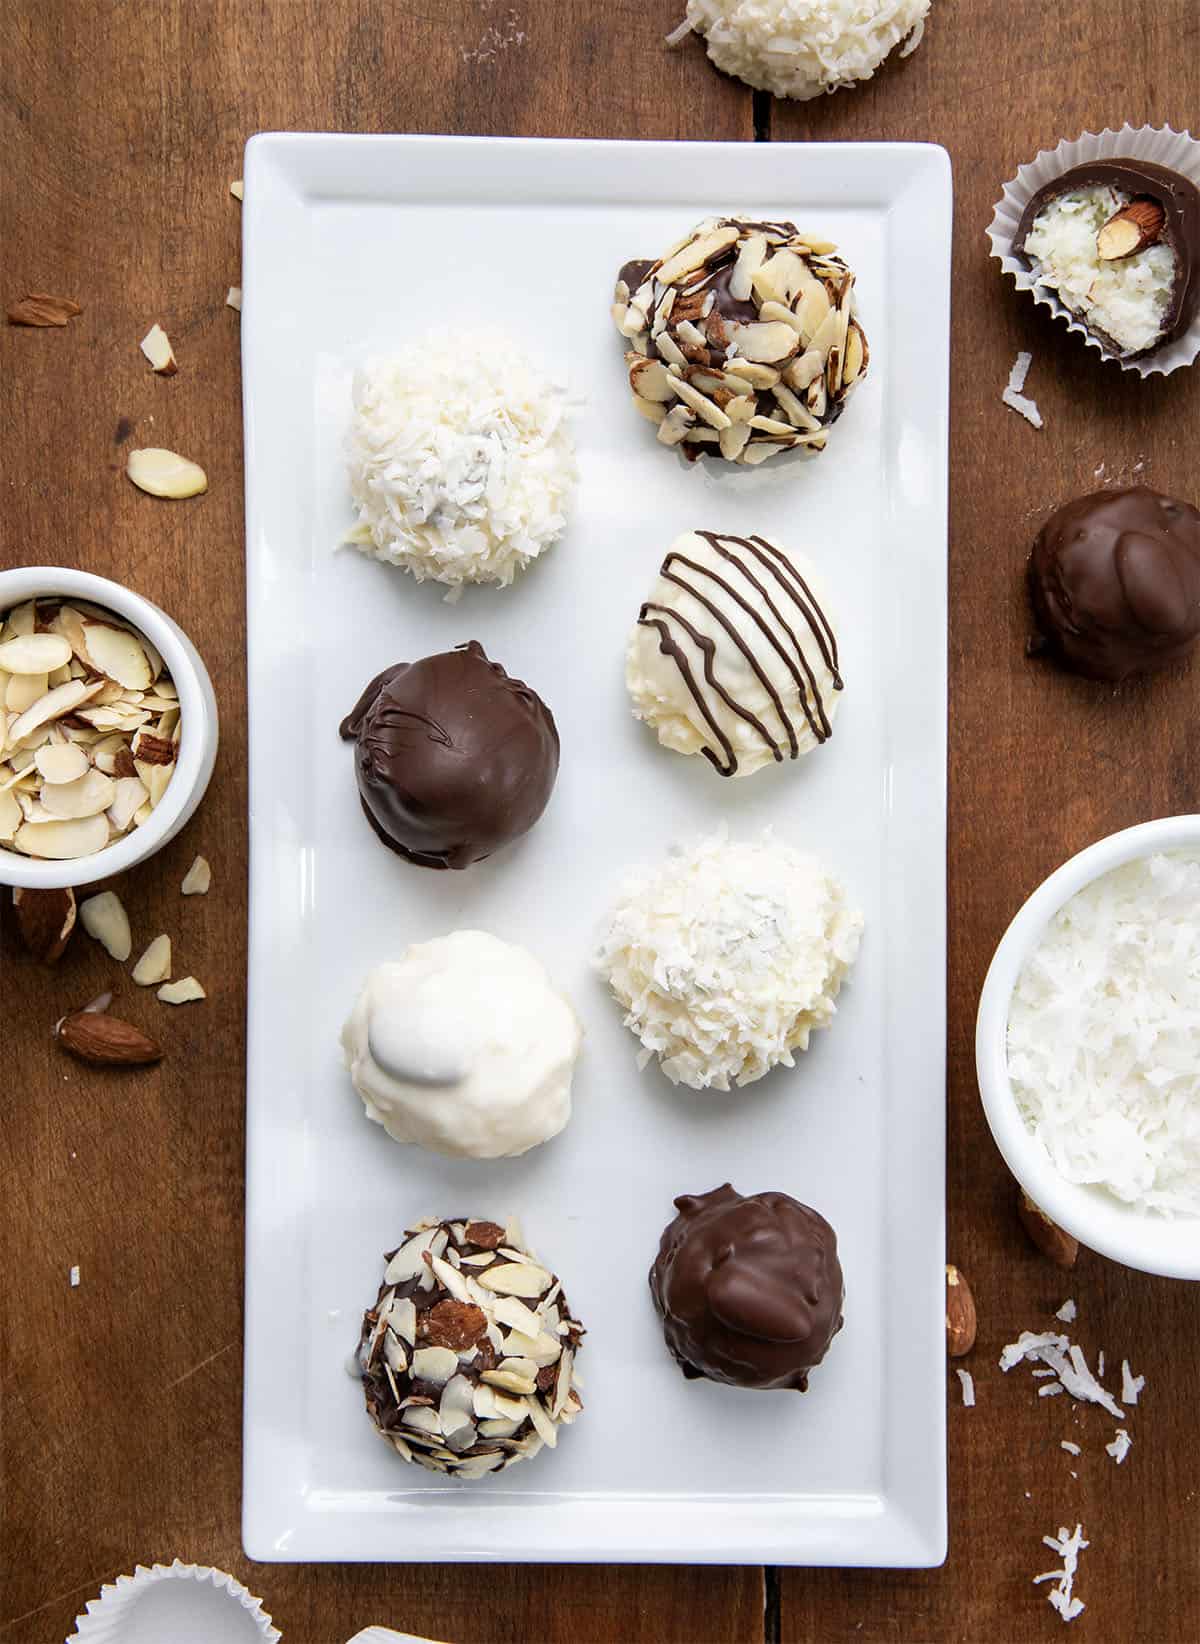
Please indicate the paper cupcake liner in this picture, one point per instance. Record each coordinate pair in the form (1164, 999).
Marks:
(151, 1606)
(385, 1635)
(1177, 150)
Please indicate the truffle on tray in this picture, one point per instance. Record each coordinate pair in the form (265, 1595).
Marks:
(744, 339)
(461, 465)
(467, 1358)
(749, 1288)
(728, 956)
(464, 1045)
(454, 758)
(734, 654)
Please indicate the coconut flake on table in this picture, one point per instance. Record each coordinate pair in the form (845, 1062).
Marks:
(1131, 1385)
(1068, 1547)
(1068, 1364)
(1067, 1311)
(801, 48)
(461, 465)
(1012, 395)
(968, 1388)
(1104, 1035)
(1120, 1446)
(1124, 299)
(1071, 1449)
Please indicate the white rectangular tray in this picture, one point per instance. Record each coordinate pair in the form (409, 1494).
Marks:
(354, 244)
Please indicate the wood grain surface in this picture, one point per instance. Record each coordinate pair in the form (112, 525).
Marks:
(122, 122)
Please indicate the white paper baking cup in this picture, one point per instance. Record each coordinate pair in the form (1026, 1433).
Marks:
(176, 1604)
(1176, 150)
(385, 1635)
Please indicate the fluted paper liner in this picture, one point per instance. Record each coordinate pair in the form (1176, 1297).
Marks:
(166, 1602)
(385, 1635)
(1176, 150)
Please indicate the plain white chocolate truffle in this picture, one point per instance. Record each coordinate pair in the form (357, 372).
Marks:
(734, 654)
(464, 1046)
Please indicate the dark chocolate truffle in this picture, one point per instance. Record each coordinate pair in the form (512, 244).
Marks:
(1115, 582)
(749, 1289)
(454, 759)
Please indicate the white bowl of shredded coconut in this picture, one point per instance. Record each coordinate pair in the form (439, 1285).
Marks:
(1087, 1047)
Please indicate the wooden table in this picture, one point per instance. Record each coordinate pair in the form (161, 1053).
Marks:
(121, 125)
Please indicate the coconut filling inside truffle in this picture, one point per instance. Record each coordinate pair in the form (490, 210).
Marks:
(1126, 299)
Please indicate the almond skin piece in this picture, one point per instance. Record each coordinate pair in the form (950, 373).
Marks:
(45, 919)
(960, 1314)
(106, 1041)
(1054, 1242)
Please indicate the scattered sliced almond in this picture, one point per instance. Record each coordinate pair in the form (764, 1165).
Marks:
(197, 879)
(156, 346)
(104, 918)
(155, 964)
(40, 308)
(237, 189)
(181, 992)
(233, 298)
(164, 474)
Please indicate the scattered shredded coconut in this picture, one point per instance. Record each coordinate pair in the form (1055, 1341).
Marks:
(968, 1388)
(1067, 1362)
(74, 1276)
(1071, 1449)
(1043, 1372)
(728, 956)
(1126, 299)
(1131, 1385)
(1067, 1313)
(1061, 1596)
(1120, 1446)
(1012, 395)
(461, 466)
(1049, 1389)
(1100, 1365)
(1104, 1034)
(801, 48)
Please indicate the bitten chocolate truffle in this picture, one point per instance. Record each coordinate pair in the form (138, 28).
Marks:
(749, 1288)
(1115, 582)
(467, 1357)
(454, 758)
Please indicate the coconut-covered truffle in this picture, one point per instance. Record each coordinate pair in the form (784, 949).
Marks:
(734, 654)
(743, 339)
(727, 958)
(749, 1289)
(463, 1045)
(467, 1357)
(461, 466)
(801, 48)
(1115, 582)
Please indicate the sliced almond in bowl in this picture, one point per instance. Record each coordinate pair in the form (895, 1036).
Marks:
(61, 762)
(62, 841)
(34, 653)
(118, 654)
(88, 795)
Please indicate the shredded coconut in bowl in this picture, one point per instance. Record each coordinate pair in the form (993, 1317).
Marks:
(728, 957)
(1104, 1035)
(461, 465)
(801, 48)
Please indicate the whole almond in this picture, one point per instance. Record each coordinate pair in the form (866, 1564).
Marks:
(106, 1041)
(45, 919)
(1061, 1247)
(960, 1314)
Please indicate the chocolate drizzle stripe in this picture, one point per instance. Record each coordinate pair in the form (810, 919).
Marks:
(707, 649)
(739, 554)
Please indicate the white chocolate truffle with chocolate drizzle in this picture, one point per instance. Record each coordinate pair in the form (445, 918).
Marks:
(734, 654)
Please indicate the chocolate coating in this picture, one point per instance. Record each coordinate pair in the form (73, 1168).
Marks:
(1179, 199)
(749, 1288)
(1115, 582)
(453, 758)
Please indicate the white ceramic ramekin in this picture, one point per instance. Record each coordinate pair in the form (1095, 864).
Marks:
(197, 719)
(1099, 1220)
